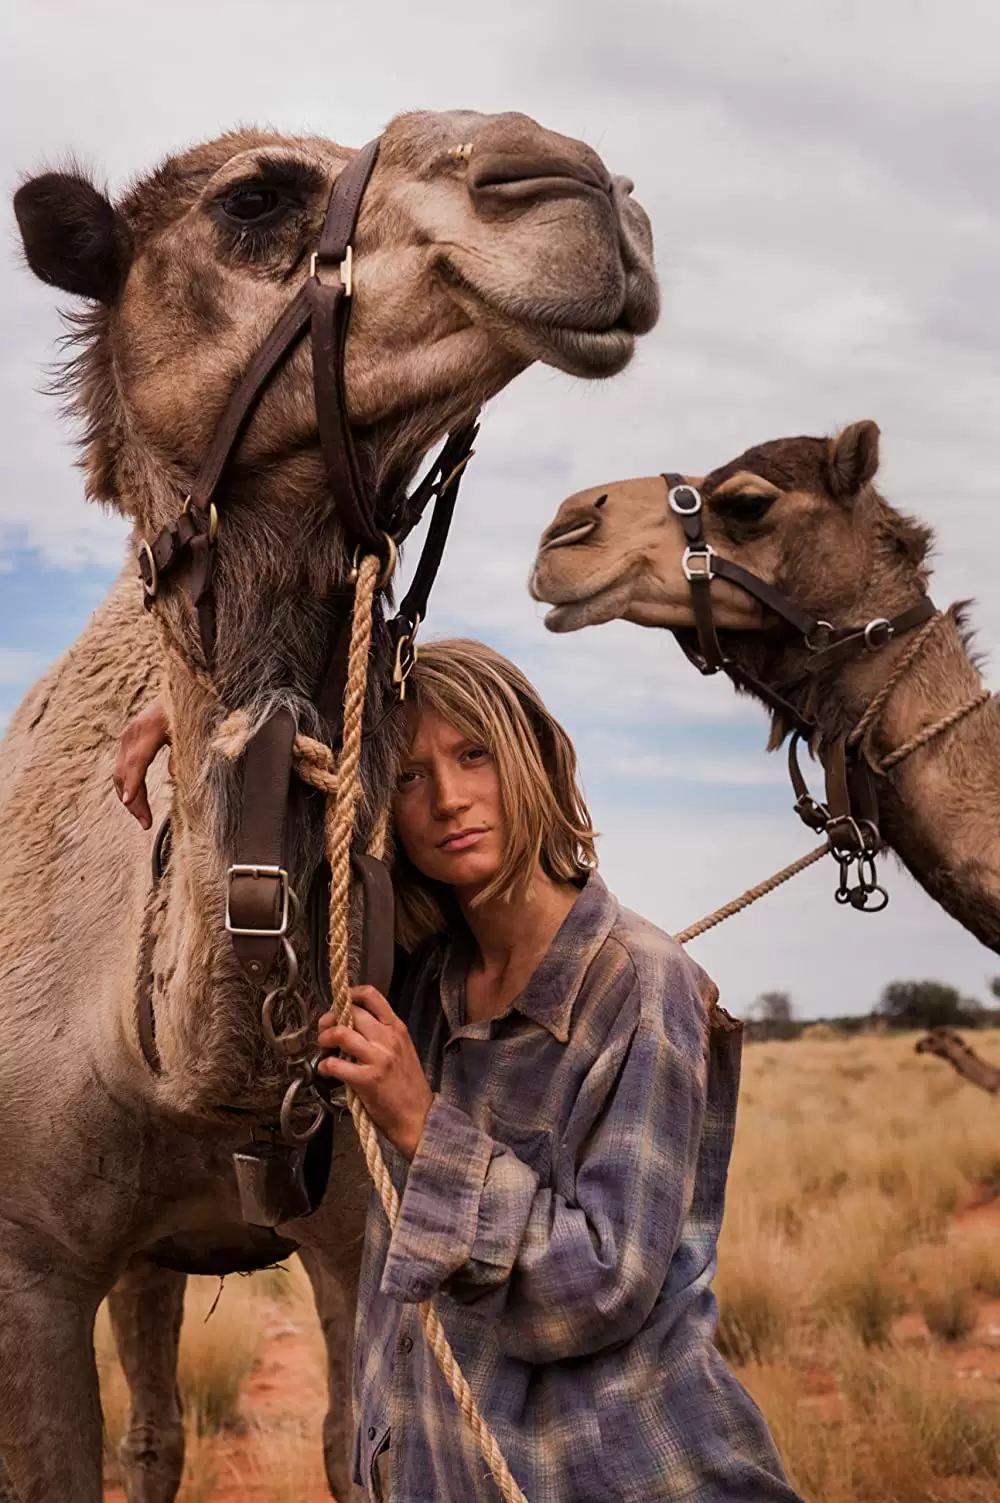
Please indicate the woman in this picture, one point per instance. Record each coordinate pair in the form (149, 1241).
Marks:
(558, 1111)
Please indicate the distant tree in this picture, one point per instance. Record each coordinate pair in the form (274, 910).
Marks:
(774, 1007)
(994, 986)
(925, 1004)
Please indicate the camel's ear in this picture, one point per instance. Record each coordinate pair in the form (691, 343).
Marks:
(853, 459)
(72, 236)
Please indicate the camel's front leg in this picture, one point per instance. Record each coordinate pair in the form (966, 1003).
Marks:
(335, 1297)
(50, 1408)
(147, 1307)
(333, 1241)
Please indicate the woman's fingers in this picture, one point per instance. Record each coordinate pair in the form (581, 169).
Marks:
(373, 1002)
(347, 1070)
(350, 1042)
(129, 778)
(140, 742)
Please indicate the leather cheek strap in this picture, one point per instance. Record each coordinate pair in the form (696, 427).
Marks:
(259, 895)
(699, 582)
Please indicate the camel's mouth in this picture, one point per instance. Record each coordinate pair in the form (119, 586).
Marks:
(588, 352)
(606, 603)
(592, 352)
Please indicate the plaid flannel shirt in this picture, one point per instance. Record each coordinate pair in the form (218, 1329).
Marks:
(562, 1211)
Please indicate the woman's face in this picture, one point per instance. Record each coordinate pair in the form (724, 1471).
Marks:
(447, 808)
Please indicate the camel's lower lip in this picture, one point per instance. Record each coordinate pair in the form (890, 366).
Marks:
(591, 610)
(591, 352)
(578, 351)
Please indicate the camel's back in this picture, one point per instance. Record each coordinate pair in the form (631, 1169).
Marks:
(72, 863)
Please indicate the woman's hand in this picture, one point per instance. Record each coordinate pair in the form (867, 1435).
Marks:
(381, 1067)
(139, 743)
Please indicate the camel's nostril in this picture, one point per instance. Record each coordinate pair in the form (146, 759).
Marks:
(570, 532)
(601, 500)
(519, 177)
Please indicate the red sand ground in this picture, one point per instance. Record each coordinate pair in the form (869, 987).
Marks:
(285, 1392)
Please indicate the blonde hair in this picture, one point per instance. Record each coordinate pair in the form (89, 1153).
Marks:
(488, 699)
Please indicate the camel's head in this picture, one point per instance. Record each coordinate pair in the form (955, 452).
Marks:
(800, 513)
(484, 243)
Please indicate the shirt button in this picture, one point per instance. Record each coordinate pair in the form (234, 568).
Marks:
(371, 1432)
(407, 1344)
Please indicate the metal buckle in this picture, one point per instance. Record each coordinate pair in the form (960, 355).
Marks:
(703, 551)
(280, 875)
(884, 628)
(677, 494)
(149, 590)
(407, 653)
(345, 269)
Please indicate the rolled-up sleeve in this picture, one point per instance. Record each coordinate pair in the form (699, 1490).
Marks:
(564, 1275)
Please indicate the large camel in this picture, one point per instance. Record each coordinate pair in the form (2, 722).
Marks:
(803, 515)
(485, 243)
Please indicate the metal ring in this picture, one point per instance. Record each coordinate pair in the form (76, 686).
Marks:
(149, 590)
(674, 500)
(825, 627)
(289, 1040)
(387, 572)
(288, 1131)
(879, 624)
(880, 903)
(213, 517)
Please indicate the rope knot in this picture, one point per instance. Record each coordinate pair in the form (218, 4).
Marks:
(314, 762)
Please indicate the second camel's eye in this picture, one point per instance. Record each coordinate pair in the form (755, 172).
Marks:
(745, 508)
(251, 203)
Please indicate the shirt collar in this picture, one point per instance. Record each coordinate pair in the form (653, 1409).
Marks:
(553, 987)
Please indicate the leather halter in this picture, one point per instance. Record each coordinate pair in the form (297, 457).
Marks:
(260, 903)
(850, 815)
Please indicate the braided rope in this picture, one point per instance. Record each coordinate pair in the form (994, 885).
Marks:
(340, 814)
(865, 724)
(929, 732)
(884, 694)
(751, 895)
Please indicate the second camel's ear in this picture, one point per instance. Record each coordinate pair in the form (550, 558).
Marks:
(853, 459)
(73, 238)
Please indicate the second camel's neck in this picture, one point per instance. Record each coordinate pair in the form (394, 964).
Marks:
(940, 808)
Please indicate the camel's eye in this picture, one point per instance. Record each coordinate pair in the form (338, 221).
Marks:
(252, 203)
(749, 507)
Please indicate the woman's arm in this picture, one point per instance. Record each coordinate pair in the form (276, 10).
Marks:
(139, 743)
(561, 1276)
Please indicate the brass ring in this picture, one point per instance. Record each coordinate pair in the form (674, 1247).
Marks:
(387, 572)
(149, 590)
(390, 567)
(213, 517)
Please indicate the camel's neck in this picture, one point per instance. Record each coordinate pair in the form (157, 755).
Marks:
(280, 597)
(970, 1066)
(940, 807)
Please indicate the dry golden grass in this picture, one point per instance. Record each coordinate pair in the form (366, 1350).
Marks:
(851, 1159)
(850, 1295)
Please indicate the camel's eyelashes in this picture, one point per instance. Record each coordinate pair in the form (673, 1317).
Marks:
(253, 203)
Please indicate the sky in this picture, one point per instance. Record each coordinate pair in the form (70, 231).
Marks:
(822, 182)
